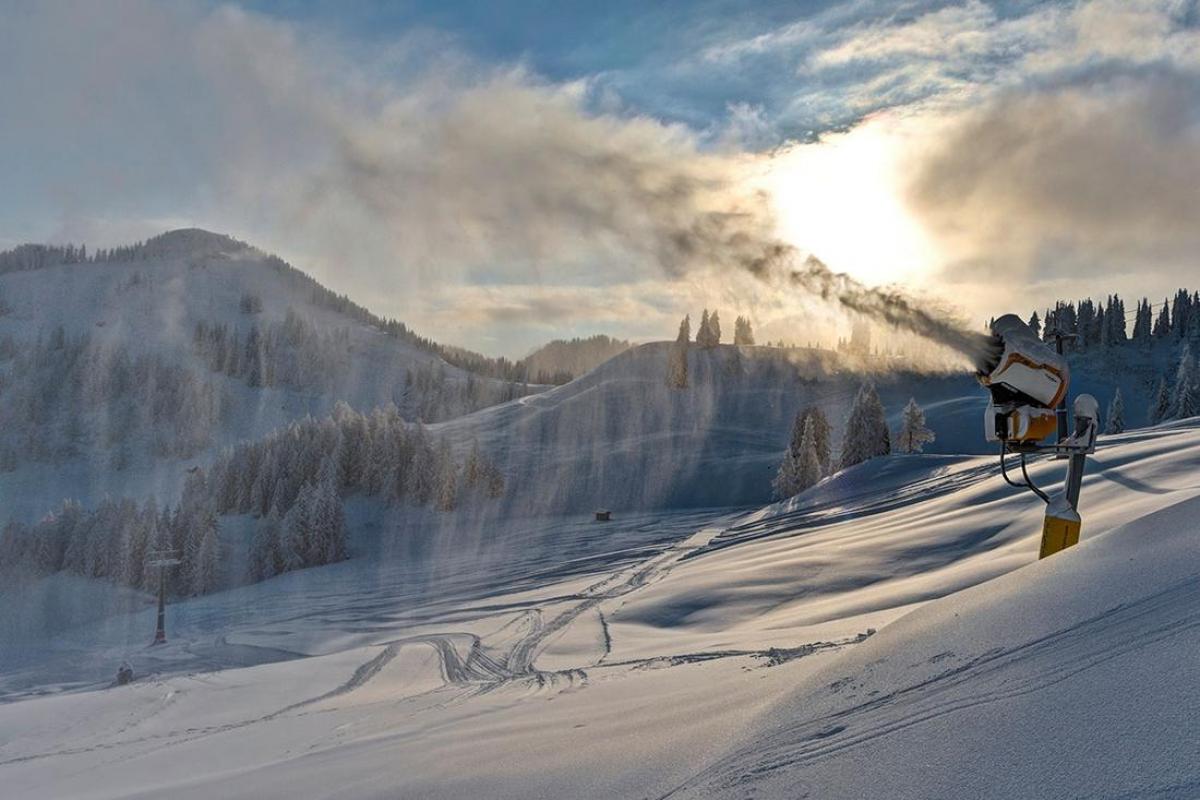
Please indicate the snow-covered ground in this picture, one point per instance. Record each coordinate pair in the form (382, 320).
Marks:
(888, 634)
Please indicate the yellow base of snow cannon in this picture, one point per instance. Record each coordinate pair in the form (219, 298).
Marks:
(1060, 530)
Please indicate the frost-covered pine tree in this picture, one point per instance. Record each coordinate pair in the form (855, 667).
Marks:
(447, 479)
(808, 466)
(1160, 406)
(295, 534)
(913, 434)
(866, 433)
(704, 333)
(801, 467)
(329, 520)
(206, 560)
(1185, 396)
(473, 468)
(821, 433)
(264, 550)
(787, 478)
(1115, 422)
(743, 334)
(421, 480)
(677, 364)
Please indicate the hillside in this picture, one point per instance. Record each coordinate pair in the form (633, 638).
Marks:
(561, 360)
(889, 628)
(118, 373)
(620, 438)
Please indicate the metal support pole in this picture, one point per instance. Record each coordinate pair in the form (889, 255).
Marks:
(1061, 411)
(160, 632)
(161, 559)
(1062, 524)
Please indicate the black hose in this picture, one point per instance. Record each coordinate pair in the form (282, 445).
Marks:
(1004, 469)
(1029, 483)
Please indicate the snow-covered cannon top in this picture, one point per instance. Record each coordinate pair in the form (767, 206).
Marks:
(1025, 370)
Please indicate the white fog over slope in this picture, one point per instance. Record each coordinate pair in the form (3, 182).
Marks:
(889, 628)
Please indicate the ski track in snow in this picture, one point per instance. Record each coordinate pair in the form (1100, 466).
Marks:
(981, 680)
(479, 672)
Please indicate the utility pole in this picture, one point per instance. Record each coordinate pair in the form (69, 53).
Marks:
(163, 559)
(1060, 412)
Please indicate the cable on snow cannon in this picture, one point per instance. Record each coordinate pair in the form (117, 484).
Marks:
(1028, 382)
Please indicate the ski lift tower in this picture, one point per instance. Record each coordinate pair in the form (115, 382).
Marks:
(163, 559)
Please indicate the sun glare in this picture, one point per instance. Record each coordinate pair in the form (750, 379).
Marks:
(841, 199)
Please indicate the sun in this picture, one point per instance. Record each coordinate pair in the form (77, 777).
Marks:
(842, 199)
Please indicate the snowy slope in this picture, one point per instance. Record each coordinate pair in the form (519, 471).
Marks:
(619, 437)
(1074, 677)
(890, 634)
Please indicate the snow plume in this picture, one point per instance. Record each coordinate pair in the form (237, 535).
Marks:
(779, 264)
(891, 306)
(523, 173)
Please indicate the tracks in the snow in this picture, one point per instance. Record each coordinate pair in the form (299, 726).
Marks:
(482, 671)
(987, 678)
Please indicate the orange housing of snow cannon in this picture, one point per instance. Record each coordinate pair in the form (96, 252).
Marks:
(1023, 424)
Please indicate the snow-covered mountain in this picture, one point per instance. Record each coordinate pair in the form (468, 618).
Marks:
(889, 627)
(120, 370)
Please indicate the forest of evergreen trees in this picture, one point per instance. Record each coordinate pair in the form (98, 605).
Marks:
(63, 391)
(292, 482)
(1172, 325)
(562, 360)
(1107, 324)
(289, 352)
(808, 457)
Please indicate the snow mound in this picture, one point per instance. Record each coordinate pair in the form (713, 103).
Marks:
(1073, 677)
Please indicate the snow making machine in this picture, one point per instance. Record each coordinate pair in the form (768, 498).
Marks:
(1028, 383)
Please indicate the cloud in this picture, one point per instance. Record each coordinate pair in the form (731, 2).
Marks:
(1091, 178)
(1052, 143)
(393, 174)
(438, 189)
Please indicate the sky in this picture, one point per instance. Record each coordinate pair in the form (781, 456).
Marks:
(499, 174)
